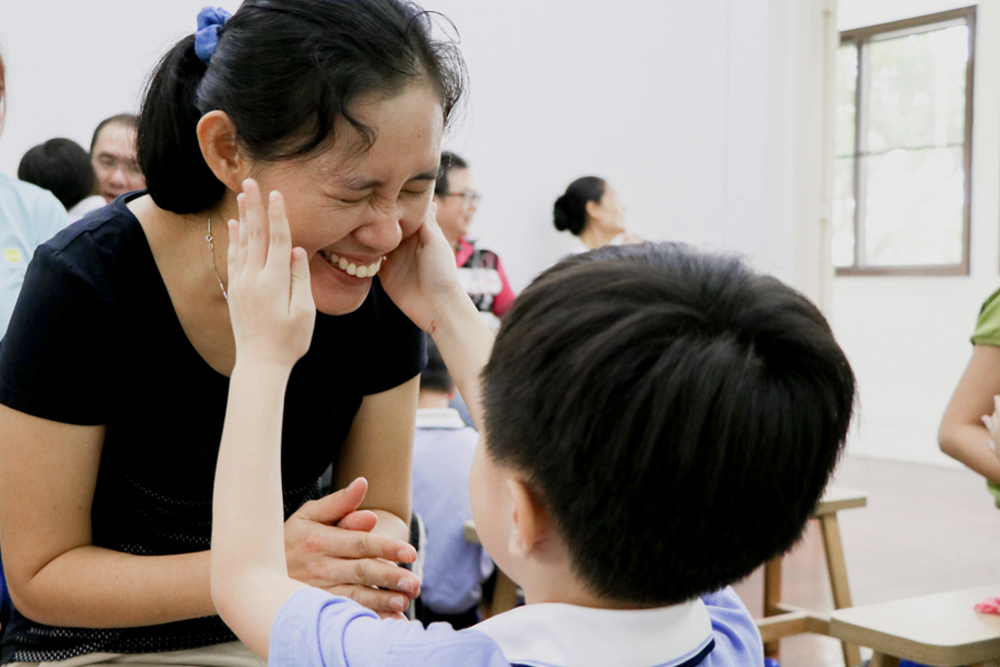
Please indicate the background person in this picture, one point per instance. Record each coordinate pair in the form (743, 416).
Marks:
(591, 211)
(480, 268)
(116, 372)
(443, 446)
(962, 434)
(62, 167)
(113, 155)
(29, 216)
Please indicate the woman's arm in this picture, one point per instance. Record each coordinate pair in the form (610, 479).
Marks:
(54, 574)
(380, 448)
(962, 435)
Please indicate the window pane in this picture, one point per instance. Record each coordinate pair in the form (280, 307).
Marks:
(917, 90)
(843, 212)
(847, 82)
(915, 207)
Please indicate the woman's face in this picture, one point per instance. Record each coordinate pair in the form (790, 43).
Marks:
(609, 214)
(348, 208)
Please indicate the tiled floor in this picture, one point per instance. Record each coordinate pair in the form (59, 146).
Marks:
(925, 529)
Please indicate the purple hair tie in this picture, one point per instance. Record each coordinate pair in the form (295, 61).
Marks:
(210, 22)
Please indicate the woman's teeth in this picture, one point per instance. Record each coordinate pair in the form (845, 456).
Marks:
(349, 267)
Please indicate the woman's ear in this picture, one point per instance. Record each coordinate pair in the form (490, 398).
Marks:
(217, 139)
(592, 208)
(529, 521)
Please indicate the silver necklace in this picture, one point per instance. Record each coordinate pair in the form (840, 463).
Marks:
(211, 251)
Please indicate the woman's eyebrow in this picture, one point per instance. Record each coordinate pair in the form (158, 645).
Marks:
(369, 183)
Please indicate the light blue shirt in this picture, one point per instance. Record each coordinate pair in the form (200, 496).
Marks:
(317, 629)
(29, 216)
(442, 457)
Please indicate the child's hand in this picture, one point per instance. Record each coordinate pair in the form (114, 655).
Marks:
(270, 294)
(420, 275)
(992, 423)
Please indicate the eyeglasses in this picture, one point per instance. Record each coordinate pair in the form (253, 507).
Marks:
(113, 163)
(468, 198)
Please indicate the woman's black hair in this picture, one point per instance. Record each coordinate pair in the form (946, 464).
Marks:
(62, 167)
(284, 71)
(570, 210)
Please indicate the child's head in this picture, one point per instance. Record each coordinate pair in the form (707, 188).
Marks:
(676, 415)
(62, 167)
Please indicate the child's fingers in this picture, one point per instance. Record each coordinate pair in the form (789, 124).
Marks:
(280, 238)
(232, 256)
(334, 507)
(241, 240)
(255, 223)
(301, 285)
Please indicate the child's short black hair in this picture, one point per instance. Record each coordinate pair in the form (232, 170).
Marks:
(435, 376)
(62, 167)
(677, 414)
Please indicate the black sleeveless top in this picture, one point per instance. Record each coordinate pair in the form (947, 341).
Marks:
(94, 340)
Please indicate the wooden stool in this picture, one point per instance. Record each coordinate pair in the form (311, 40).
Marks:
(940, 630)
(783, 620)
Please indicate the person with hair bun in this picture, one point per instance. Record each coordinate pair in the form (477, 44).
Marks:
(590, 209)
(327, 114)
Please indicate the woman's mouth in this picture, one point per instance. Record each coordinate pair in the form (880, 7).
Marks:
(349, 267)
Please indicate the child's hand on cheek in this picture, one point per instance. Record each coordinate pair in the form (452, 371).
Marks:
(270, 295)
(420, 275)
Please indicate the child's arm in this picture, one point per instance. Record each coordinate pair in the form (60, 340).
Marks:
(421, 278)
(272, 311)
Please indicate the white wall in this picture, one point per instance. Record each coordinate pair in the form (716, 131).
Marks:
(908, 337)
(692, 109)
(71, 64)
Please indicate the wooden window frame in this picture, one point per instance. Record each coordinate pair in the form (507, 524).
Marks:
(861, 37)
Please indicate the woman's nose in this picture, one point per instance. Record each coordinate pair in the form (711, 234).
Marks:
(381, 230)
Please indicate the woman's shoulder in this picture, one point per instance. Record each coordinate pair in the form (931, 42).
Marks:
(97, 242)
(988, 326)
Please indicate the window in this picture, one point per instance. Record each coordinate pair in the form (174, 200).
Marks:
(903, 146)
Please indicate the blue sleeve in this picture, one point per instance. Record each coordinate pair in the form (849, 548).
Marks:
(316, 629)
(737, 640)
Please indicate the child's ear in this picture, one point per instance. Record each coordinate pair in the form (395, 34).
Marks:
(529, 521)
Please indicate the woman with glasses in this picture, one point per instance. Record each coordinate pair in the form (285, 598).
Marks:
(479, 267)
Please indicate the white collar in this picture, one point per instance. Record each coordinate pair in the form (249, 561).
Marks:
(439, 418)
(563, 635)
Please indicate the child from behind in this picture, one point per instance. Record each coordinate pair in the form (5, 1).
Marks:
(658, 422)
(62, 167)
(443, 446)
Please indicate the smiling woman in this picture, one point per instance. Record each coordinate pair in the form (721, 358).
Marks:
(116, 366)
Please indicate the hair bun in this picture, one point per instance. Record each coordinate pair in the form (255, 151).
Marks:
(560, 216)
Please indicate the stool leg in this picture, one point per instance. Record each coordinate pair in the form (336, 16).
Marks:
(883, 660)
(838, 578)
(772, 596)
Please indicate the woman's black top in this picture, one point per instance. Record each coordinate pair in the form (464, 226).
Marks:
(94, 340)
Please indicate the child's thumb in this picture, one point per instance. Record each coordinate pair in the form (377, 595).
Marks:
(301, 285)
(334, 507)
